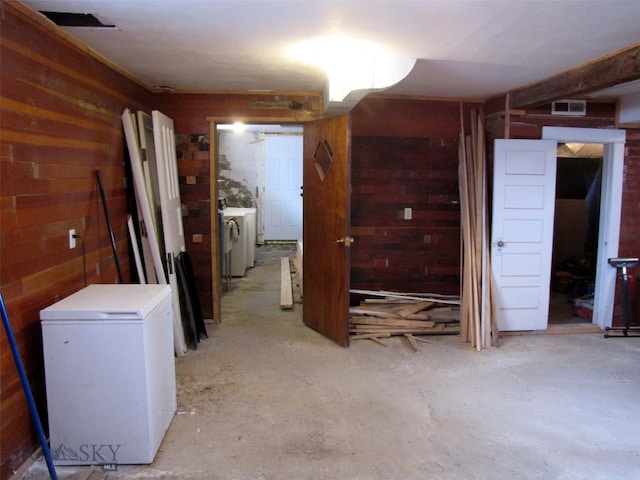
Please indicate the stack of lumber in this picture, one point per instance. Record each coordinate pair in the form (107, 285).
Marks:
(478, 322)
(403, 314)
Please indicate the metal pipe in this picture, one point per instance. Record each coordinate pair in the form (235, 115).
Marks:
(106, 214)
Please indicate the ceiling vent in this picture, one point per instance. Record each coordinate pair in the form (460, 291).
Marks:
(65, 19)
(574, 108)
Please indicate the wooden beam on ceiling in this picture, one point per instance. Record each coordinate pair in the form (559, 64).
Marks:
(615, 69)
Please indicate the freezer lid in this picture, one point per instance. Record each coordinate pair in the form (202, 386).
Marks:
(108, 302)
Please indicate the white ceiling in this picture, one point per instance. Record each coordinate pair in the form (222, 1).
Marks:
(465, 48)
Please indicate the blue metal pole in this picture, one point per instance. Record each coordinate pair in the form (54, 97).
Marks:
(27, 390)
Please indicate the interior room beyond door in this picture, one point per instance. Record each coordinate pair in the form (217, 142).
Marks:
(575, 237)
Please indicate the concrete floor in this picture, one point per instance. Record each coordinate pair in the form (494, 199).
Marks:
(267, 398)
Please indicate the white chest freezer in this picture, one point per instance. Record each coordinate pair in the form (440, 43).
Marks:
(110, 373)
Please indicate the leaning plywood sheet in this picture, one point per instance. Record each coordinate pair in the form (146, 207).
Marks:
(286, 292)
(135, 156)
(171, 207)
(136, 252)
(138, 178)
(150, 170)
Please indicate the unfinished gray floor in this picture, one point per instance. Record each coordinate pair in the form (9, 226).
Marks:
(267, 398)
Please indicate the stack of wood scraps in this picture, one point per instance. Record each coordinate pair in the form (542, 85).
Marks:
(478, 320)
(409, 315)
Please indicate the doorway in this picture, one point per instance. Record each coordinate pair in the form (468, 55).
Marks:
(260, 166)
(326, 232)
(575, 234)
(259, 180)
(522, 226)
(610, 208)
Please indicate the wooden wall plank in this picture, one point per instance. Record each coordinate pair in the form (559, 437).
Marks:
(193, 160)
(423, 253)
(59, 123)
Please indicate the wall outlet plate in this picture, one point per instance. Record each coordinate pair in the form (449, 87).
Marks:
(72, 238)
(408, 213)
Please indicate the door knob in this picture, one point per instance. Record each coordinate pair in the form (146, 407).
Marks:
(500, 244)
(347, 241)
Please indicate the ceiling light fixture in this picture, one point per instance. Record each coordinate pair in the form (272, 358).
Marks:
(574, 147)
(237, 127)
(353, 65)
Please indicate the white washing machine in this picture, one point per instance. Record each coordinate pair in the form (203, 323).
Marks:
(228, 236)
(252, 228)
(243, 251)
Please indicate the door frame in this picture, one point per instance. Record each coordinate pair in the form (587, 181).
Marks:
(610, 209)
(216, 283)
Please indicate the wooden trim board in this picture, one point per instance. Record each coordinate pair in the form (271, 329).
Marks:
(286, 292)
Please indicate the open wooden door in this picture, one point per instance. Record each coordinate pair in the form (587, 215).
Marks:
(326, 226)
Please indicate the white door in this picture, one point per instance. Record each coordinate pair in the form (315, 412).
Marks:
(522, 231)
(173, 233)
(147, 147)
(282, 188)
(147, 215)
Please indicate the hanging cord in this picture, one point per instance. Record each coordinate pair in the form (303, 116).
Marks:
(84, 257)
(27, 390)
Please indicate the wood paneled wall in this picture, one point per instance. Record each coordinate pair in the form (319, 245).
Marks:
(60, 122)
(428, 131)
(194, 171)
(630, 227)
(388, 175)
(405, 155)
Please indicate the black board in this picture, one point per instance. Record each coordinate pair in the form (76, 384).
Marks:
(192, 320)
